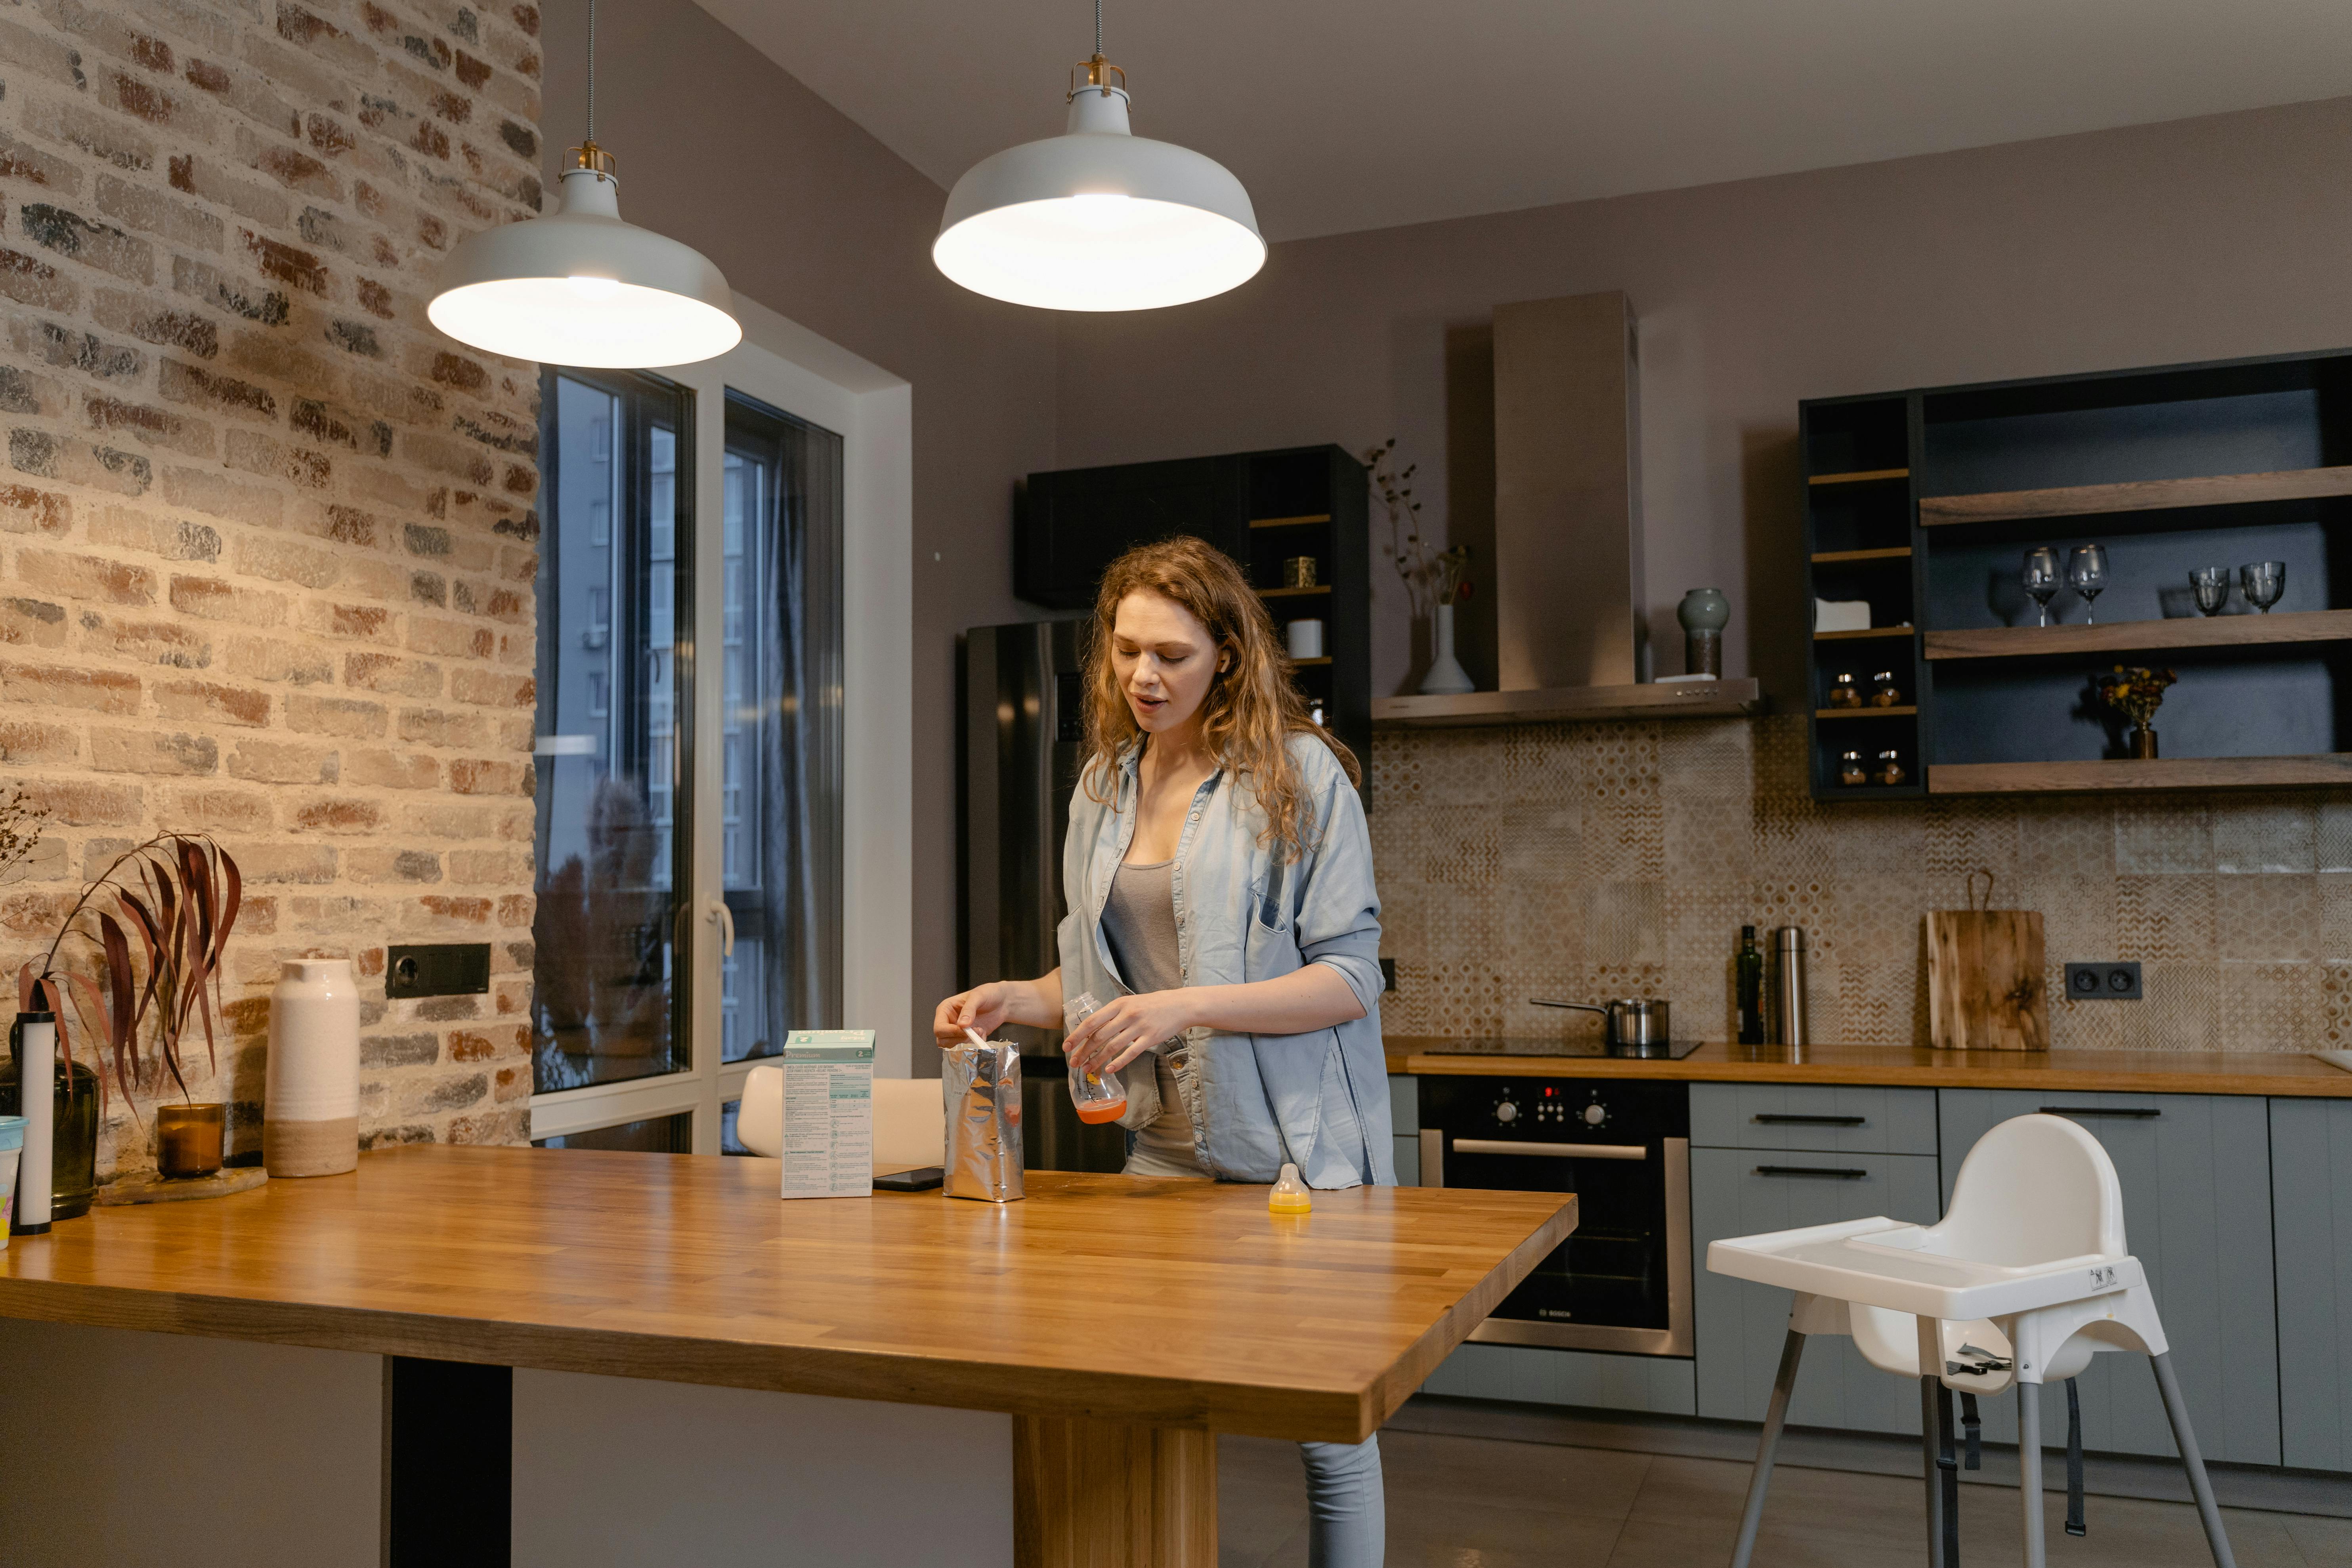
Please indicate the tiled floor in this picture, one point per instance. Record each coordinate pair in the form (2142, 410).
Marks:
(1476, 1503)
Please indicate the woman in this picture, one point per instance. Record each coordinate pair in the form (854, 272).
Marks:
(1219, 880)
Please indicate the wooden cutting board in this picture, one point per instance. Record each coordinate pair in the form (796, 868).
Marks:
(1985, 990)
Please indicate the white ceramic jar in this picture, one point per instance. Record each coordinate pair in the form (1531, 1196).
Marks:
(310, 1115)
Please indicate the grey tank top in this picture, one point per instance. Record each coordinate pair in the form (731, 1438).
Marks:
(1140, 920)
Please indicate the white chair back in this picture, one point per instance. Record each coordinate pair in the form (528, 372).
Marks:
(910, 1123)
(2035, 1189)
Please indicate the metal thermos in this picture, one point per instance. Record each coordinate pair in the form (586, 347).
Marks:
(1788, 985)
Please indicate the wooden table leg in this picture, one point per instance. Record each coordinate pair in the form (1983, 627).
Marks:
(1109, 1494)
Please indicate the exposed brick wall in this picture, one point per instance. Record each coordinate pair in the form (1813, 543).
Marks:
(267, 540)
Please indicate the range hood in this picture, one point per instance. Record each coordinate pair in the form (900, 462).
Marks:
(1570, 614)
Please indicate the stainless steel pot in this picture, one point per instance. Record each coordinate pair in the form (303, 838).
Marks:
(1634, 1023)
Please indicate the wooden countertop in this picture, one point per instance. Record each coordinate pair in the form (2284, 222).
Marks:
(1176, 1303)
(2140, 1072)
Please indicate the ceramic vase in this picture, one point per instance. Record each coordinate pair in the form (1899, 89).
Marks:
(1703, 613)
(310, 1117)
(1445, 675)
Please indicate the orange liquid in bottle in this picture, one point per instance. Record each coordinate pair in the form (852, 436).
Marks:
(1098, 1111)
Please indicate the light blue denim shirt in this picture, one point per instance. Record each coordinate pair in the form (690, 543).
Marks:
(1319, 1099)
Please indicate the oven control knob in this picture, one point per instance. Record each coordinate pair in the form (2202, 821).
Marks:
(1506, 1113)
(1595, 1114)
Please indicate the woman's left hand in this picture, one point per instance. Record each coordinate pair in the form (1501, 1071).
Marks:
(1115, 1035)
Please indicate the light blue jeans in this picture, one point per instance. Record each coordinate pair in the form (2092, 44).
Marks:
(1347, 1512)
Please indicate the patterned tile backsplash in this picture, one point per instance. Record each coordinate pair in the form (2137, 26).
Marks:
(1590, 860)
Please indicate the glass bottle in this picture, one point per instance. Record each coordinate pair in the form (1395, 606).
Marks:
(1098, 1095)
(1890, 768)
(1845, 693)
(1850, 769)
(1882, 691)
(1750, 973)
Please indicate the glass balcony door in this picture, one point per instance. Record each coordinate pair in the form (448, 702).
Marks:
(674, 946)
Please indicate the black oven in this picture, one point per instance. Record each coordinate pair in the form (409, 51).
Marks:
(1622, 1281)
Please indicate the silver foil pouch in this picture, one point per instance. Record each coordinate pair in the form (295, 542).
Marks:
(983, 1087)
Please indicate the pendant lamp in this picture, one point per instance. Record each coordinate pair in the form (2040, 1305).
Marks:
(580, 286)
(1098, 219)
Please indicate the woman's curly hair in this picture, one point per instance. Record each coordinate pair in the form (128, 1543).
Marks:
(1250, 710)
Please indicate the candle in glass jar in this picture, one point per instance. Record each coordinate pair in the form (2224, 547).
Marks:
(188, 1139)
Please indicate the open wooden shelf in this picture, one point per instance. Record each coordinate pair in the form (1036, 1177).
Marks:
(2146, 495)
(1291, 592)
(2127, 636)
(1866, 632)
(1290, 521)
(1863, 713)
(1835, 557)
(1303, 662)
(1866, 477)
(2168, 773)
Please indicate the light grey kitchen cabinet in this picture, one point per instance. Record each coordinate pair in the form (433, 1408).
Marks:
(1824, 1117)
(2310, 1211)
(1404, 1112)
(2196, 1176)
(1740, 1326)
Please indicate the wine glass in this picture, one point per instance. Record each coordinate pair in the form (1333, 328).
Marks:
(2040, 578)
(2087, 574)
(2212, 588)
(2263, 582)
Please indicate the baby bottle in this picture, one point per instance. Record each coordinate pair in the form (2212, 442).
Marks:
(1099, 1096)
(1289, 1194)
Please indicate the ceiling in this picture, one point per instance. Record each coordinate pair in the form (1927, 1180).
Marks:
(1354, 114)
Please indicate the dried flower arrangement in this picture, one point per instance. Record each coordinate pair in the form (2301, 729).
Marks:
(1432, 577)
(20, 831)
(2136, 692)
(177, 894)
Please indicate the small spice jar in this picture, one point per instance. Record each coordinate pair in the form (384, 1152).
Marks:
(1845, 693)
(1890, 769)
(1883, 692)
(1850, 769)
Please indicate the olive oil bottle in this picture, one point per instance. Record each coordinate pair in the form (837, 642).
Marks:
(1750, 978)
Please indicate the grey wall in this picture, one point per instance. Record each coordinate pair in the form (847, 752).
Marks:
(2198, 239)
(810, 215)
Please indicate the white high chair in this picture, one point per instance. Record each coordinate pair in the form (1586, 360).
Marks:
(2024, 1282)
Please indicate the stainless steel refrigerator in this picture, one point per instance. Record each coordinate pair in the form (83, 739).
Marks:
(1023, 738)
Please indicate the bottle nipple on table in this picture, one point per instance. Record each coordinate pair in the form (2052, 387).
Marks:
(1099, 1096)
(1289, 1194)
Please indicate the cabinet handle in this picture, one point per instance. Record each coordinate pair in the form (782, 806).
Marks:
(2135, 1112)
(1770, 1119)
(1832, 1172)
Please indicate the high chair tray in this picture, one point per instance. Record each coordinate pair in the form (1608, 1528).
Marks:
(1885, 1263)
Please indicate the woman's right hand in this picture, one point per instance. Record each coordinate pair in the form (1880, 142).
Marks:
(982, 1008)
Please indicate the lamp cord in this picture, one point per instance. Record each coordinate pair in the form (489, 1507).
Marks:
(592, 66)
(1097, 24)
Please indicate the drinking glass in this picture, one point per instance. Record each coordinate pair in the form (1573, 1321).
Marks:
(2263, 582)
(2087, 574)
(2212, 586)
(2040, 578)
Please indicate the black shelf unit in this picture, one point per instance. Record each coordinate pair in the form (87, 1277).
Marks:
(1260, 508)
(1923, 502)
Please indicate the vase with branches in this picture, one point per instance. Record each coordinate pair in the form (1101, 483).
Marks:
(2136, 691)
(1435, 580)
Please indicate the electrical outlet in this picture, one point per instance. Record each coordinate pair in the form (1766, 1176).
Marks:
(1387, 974)
(439, 969)
(2111, 982)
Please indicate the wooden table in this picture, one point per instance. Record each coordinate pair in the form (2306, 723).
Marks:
(1122, 1322)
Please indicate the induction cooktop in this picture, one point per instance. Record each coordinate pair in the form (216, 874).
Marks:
(1519, 1046)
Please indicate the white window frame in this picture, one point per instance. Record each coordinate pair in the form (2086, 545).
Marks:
(786, 366)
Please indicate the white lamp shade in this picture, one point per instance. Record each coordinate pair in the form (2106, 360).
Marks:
(580, 286)
(1097, 219)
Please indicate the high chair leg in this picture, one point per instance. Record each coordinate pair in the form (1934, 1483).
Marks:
(1931, 1437)
(2176, 1410)
(1776, 1415)
(2029, 1470)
